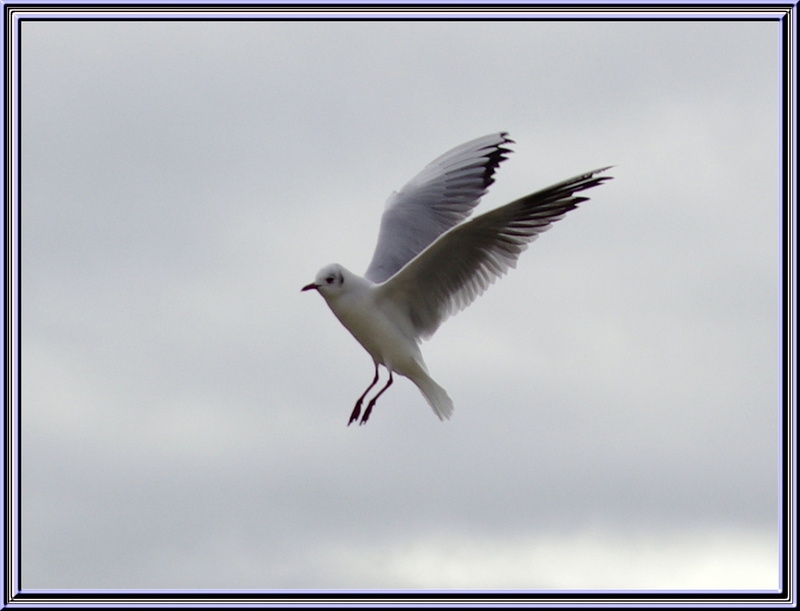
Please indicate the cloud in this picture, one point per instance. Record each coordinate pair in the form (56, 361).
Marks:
(709, 559)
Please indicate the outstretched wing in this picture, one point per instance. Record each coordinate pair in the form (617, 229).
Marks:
(442, 195)
(459, 266)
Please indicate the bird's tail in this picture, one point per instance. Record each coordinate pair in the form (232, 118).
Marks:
(435, 395)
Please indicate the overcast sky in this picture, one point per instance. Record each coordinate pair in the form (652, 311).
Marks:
(185, 405)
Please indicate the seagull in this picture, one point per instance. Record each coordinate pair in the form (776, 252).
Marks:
(430, 262)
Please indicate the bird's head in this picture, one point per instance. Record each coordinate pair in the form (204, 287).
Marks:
(330, 281)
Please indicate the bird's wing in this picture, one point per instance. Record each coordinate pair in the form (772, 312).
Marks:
(459, 266)
(442, 195)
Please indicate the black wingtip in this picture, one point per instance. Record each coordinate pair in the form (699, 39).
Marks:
(506, 139)
(591, 178)
(495, 158)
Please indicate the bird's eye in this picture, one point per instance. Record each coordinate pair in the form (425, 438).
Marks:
(329, 279)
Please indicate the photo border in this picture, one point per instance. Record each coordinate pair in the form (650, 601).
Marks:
(16, 13)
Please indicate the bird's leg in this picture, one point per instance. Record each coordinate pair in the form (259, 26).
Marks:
(371, 404)
(357, 409)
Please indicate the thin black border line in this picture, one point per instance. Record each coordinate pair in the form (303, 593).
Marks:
(789, 114)
(786, 521)
(7, 348)
(720, 11)
(350, 8)
(6, 306)
(19, 190)
(543, 17)
(478, 11)
(292, 596)
(785, 348)
(19, 164)
(19, 305)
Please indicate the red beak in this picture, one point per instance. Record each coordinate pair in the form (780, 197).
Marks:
(308, 287)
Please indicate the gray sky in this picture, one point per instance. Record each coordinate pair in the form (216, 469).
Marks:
(185, 406)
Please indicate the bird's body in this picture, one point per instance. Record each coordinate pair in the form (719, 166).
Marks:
(428, 264)
(379, 327)
(371, 322)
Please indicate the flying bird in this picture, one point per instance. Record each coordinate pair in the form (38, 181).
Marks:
(430, 263)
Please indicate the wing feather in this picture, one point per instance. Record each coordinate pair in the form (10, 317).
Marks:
(442, 195)
(462, 263)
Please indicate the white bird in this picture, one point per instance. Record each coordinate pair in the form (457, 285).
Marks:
(428, 264)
